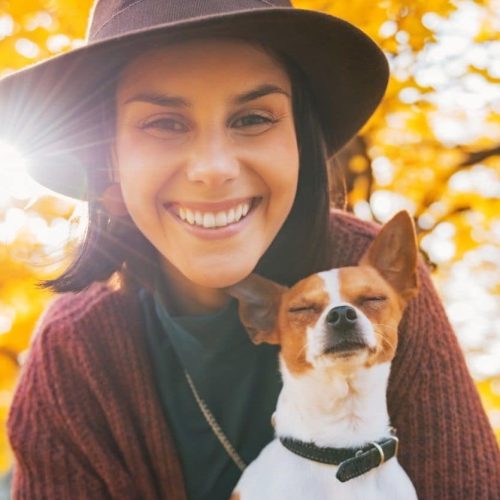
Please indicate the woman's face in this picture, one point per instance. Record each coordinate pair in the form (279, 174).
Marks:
(205, 132)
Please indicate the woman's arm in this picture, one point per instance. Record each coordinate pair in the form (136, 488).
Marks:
(63, 447)
(48, 464)
(447, 445)
(86, 422)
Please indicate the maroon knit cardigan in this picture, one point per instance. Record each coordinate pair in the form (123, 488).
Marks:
(86, 422)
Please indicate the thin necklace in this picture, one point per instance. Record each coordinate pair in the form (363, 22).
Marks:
(212, 422)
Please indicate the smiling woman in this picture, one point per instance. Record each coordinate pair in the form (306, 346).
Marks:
(199, 134)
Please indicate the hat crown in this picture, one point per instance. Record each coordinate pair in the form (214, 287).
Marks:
(111, 18)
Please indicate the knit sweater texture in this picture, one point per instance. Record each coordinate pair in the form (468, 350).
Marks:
(86, 422)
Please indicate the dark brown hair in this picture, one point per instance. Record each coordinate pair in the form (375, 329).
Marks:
(301, 247)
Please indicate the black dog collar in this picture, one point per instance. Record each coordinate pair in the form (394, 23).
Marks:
(352, 462)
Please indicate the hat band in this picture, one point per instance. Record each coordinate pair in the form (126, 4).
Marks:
(147, 14)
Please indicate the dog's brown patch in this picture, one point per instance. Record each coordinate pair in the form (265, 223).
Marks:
(309, 298)
(235, 496)
(360, 283)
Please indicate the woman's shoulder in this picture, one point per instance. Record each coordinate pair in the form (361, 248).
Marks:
(81, 341)
(79, 306)
(97, 314)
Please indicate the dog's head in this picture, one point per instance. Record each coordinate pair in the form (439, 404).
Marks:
(343, 317)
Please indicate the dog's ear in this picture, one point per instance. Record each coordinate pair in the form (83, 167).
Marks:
(394, 254)
(259, 302)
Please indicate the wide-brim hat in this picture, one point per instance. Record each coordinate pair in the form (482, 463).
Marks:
(51, 109)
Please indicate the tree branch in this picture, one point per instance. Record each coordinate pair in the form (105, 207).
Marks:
(477, 156)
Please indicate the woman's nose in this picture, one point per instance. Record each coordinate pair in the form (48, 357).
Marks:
(213, 162)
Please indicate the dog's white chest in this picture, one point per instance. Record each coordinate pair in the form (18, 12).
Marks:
(278, 474)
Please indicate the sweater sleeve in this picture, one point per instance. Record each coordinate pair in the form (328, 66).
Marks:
(56, 428)
(447, 444)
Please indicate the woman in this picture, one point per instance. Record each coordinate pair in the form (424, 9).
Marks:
(201, 146)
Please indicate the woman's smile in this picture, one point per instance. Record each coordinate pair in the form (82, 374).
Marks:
(214, 220)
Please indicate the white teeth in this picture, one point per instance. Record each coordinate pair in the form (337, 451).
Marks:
(190, 216)
(219, 219)
(239, 210)
(208, 220)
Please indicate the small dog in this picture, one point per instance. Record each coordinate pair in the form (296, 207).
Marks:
(338, 334)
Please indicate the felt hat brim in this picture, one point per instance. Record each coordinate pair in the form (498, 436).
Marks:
(50, 110)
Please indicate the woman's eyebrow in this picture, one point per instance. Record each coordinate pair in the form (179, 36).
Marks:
(260, 91)
(166, 100)
(159, 99)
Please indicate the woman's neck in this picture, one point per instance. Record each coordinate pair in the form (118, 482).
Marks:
(185, 298)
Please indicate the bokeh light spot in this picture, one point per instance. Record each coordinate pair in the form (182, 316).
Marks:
(27, 48)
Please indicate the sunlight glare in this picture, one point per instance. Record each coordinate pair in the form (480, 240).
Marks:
(10, 158)
(14, 178)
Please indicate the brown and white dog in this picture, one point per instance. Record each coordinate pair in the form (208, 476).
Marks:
(338, 332)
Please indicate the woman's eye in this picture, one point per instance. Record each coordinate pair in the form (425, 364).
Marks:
(166, 124)
(253, 122)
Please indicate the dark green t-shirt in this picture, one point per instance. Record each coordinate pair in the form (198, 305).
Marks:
(238, 380)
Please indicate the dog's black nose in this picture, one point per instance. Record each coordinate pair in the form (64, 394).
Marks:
(341, 317)
(343, 332)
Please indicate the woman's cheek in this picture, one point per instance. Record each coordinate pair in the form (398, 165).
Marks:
(143, 168)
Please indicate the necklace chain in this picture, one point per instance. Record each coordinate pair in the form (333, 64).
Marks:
(212, 422)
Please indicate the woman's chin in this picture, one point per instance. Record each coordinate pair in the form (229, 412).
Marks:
(210, 271)
(221, 278)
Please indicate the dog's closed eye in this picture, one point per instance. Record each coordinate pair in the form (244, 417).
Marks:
(303, 308)
(379, 298)
(372, 301)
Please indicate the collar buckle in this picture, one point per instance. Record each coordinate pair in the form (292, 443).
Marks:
(380, 451)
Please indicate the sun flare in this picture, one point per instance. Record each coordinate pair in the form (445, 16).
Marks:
(11, 159)
(14, 178)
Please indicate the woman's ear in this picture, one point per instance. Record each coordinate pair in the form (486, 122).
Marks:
(112, 200)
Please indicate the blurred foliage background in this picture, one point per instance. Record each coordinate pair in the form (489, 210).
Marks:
(432, 147)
